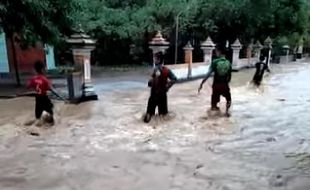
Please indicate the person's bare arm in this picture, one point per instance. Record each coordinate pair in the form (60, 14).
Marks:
(172, 80)
(210, 71)
(56, 94)
(229, 74)
(151, 80)
(268, 69)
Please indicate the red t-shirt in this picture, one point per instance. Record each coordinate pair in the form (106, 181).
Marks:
(160, 79)
(40, 83)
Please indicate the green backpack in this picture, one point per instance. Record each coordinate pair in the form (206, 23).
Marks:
(222, 67)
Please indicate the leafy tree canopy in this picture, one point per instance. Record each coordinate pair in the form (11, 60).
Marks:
(123, 27)
(45, 20)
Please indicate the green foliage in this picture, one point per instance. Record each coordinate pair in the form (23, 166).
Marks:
(45, 20)
(132, 23)
(124, 27)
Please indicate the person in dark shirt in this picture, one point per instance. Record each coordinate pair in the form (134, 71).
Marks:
(261, 67)
(222, 69)
(160, 83)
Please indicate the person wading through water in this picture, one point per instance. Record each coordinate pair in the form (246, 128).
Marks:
(261, 67)
(222, 69)
(41, 84)
(162, 80)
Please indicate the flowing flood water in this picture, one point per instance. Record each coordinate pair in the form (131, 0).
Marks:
(265, 145)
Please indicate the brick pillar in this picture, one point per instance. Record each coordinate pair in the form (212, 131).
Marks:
(188, 53)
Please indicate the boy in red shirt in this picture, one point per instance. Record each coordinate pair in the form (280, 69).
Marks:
(41, 84)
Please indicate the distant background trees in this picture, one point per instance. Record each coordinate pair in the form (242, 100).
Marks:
(124, 27)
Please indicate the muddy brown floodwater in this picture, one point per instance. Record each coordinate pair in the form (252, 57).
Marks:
(265, 145)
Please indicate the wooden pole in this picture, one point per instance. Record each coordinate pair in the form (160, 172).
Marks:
(18, 83)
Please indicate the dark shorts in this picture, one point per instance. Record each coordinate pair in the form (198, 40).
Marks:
(43, 103)
(221, 89)
(158, 100)
(257, 79)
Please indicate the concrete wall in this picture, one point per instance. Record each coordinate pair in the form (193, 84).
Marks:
(283, 59)
(181, 70)
(245, 63)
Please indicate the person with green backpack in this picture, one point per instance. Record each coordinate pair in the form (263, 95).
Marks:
(222, 69)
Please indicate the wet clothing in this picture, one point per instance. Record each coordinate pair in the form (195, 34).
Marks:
(218, 90)
(159, 100)
(261, 67)
(43, 103)
(222, 69)
(162, 80)
(41, 85)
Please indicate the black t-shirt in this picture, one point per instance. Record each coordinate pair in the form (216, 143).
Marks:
(261, 67)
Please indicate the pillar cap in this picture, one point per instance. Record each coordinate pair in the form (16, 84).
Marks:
(236, 44)
(188, 46)
(158, 40)
(208, 43)
(258, 45)
(268, 42)
(81, 40)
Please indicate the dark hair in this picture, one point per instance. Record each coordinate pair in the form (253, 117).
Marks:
(160, 56)
(261, 58)
(39, 67)
(221, 49)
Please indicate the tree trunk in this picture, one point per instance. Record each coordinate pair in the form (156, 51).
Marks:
(15, 61)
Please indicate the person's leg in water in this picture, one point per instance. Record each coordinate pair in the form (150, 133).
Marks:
(215, 98)
(151, 107)
(227, 96)
(39, 108)
(48, 107)
(257, 80)
(38, 112)
(257, 83)
(163, 104)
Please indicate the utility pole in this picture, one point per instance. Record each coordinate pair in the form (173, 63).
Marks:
(176, 38)
(18, 83)
(177, 33)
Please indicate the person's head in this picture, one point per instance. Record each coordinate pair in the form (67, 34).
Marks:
(39, 67)
(159, 58)
(262, 58)
(220, 51)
